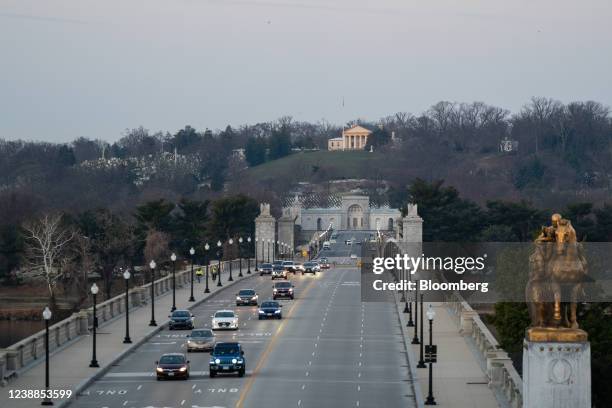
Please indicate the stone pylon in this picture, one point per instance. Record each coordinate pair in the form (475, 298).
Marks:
(265, 233)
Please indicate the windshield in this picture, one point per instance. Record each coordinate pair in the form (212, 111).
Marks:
(181, 313)
(283, 284)
(266, 265)
(247, 292)
(269, 304)
(287, 263)
(172, 360)
(226, 350)
(202, 333)
(224, 314)
(309, 264)
(278, 267)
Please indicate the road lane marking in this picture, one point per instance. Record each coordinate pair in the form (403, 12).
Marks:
(251, 379)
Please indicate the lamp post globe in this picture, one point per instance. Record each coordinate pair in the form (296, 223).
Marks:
(94, 361)
(46, 314)
(206, 248)
(126, 277)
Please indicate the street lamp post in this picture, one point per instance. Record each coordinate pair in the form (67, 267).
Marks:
(256, 241)
(415, 339)
(230, 242)
(191, 253)
(152, 265)
(94, 292)
(240, 275)
(431, 356)
(408, 306)
(219, 266)
(421, 363)
(173, 259)
(249, 257)
(268, 250)
(47, 316)
(126, 278)
(206, 248)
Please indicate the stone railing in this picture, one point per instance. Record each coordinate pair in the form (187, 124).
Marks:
(504, 380)
(17, 356)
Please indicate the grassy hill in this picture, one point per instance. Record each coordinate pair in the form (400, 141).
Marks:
(318, 166)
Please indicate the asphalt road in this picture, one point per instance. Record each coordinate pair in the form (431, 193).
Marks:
(329, 350)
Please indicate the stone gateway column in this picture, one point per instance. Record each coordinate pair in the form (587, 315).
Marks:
(286, 228)
(265, 229)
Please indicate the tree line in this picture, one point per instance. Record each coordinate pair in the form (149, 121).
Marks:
(63, 249)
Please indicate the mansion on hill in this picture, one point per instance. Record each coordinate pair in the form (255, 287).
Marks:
(354, 138)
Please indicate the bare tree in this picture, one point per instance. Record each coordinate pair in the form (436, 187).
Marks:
(46, 240)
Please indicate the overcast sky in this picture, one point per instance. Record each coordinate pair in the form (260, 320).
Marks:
(71, 68)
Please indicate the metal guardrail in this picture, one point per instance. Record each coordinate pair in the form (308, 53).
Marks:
(18, 356)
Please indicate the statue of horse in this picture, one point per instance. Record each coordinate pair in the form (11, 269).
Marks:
(558, 271)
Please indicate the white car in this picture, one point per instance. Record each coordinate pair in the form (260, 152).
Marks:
(225, 320)
(326, 245)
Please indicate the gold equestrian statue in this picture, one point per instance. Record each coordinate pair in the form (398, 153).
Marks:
(557, 272)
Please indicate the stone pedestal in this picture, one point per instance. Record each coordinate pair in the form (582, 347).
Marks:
(556, 374)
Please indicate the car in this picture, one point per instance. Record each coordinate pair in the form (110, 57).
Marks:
(270, 309)
(324, 263)
(332, 241)
(225, 319)
(181, 319)
(299, 267)
(282, 290)
(317, 265)
(246, 297)
(172, 365)
(279, 272)
(265, 269)
(200, 340)
(227, 357)
(310, 267)
(326, 245)
(289, 266)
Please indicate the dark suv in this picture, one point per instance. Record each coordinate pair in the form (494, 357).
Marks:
(246, 297)
(181, 319)
(227, 358)
(282, 289)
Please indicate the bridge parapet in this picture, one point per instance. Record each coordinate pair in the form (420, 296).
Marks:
(19, 356)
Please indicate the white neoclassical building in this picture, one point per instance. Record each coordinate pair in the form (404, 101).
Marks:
(354, 138)
(348, 212)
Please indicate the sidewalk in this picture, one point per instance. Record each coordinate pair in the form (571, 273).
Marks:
(458, 380)
(69, 366)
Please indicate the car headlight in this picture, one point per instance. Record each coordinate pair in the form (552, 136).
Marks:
(234, 361)
(275, 289)
(217, 361)
(237, 297)
(261, 311)
(240, 361)
(254, 297)
(160, 370)
(183, 369)
(277, 311)
(290, 289)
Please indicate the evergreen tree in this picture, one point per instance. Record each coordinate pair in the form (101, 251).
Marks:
(255, 151)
